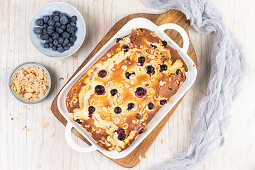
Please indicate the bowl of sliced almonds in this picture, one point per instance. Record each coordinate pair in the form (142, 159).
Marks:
(30, 82)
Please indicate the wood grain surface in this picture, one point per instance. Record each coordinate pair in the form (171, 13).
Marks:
(25, 144)
(171, 16)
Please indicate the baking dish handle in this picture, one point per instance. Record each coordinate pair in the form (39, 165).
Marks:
(179, 29)
(72, 144)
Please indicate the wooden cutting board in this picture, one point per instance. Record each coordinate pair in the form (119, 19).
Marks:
(171, 16)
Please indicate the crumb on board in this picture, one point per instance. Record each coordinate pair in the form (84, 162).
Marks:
(45, 124)
(11, 50)
(49, 108)
(54, 62)
(52, 161)
(62, 61)
(61, 78)
(52, 135)
(163, 141)
(38, 165)
(75, 57)
(145, 155)
(67, 75)
(26, 128)
(202, 91)
(25, 107)
(164, 152)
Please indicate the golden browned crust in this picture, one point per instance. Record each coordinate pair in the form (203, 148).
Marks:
(104, 125)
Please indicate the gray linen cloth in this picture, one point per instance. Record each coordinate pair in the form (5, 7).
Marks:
(226, 69)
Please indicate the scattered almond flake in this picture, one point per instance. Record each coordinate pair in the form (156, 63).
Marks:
(124, 67)
(162, 83)
(62, 61)
(45, 124)
(17, 118)
(113, 69)
(52, 161)
(202, 91)
(116, 120)
(61, 78)
(11, 50)
(75, 57)
(52, 135)
(38, 165)
(49, 108)
(133, 121)
(24, 128)
(125, 126)
(163, 140)
(108, 55)
(54, 62)
(140, 157)
(25, 107)
(67, 75)
(145, 155)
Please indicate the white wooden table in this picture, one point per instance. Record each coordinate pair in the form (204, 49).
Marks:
(27, 143)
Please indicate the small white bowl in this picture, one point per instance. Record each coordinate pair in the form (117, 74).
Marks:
(47, 10)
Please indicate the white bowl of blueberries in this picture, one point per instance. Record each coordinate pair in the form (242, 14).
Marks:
(57, 30)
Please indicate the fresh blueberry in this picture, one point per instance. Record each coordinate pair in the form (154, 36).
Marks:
(162, 102)
(45, 26)
(117, 110)
(75, 29)
(55, 42)
(63, 26)
(150, 70)
(72, 23)
(113, 92)
(59, 30)
(63, 14)
(63, 19)
(50, 40)
(70, 29)
(56, 18)
(122, 136)
(55, 36)
(163, 67)
(56, 13)
(66, 41)
(60, 40)
(140, 92)
(99, 89)
(50, 45)
(130, 106)
(65, 35)
(101, 73)
(141, 60)
(45, 18)
(44, 31)
(153, 46)
(45, 45)
(39, 22)
(50, 30)
(51, 22)
(74, 18)
(44, 36)
(66, 48)
(54, 48)
(150, 106)
(70, 44)
(60, 49)
(57, 24)
(38, 30)
(73, 38)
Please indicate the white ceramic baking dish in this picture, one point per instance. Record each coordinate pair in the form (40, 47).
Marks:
(125, 30)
